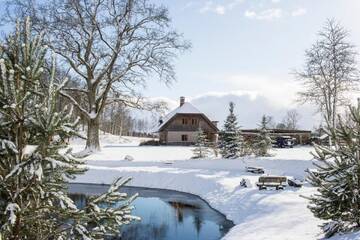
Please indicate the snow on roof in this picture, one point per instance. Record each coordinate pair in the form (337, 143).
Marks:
(185, 108)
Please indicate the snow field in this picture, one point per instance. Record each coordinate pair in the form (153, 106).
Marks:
(258, 215)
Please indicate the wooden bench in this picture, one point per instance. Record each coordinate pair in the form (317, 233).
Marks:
(279, 182)
(256, 170)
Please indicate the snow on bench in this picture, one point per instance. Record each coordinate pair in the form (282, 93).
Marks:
(279, 182)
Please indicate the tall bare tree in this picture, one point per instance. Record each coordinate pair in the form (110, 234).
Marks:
(330, 71)
(112, 46)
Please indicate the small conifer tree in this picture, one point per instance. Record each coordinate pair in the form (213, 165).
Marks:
(337, 177)
(35, 166)
(231, 140)
(263, 142)
(201, 149)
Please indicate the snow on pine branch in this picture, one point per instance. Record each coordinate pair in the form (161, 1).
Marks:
(7, 145)
(11, 210)
(64, 200)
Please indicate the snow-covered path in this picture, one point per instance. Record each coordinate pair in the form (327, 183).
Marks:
(257, 214)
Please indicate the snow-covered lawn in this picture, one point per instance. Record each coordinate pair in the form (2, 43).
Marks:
(257, 214)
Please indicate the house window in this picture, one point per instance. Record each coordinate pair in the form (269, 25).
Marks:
(184, 121)
(184, 138)
(194, 121)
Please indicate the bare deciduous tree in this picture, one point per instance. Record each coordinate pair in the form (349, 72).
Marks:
(330, 72)
(113, 46)
(291, 120)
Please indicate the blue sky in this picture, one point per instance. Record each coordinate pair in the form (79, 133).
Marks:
(249, 48)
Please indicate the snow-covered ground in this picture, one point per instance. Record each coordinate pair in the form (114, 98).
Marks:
(257, 214)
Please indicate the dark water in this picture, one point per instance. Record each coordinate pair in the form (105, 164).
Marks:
(165, 215)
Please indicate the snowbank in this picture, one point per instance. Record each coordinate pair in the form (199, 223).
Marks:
(107, 140)
(349, 236)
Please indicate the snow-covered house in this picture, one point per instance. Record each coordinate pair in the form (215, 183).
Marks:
(179, 127)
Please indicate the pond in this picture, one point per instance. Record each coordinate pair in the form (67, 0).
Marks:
(165, 214)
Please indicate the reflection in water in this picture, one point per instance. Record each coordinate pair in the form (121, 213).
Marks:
(197, 223)
(146, 231)
(79, 199)
(165, 215)
(178, 207)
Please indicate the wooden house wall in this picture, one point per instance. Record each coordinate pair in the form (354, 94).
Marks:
(186, 124)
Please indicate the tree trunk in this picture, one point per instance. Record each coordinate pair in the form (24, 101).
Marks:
(92, 142)
(121, 128)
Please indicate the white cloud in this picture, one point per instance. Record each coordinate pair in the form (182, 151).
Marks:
(206, 7)
(233, 4)
(190, 4)
(209, 7)
(268, 14)
(254, 95)
(219, 9)
(250, 14)
(280, 90)
(223, 7)
(299, 12)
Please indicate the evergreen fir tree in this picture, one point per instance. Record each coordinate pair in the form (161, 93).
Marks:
(201, 149)
(263, 142)
(337, 178)
(231, 139)
(34, 164)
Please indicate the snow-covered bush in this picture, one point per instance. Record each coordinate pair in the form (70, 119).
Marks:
(245, 183)
(34, 165)
(129, 158)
